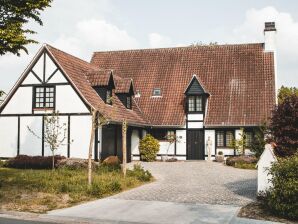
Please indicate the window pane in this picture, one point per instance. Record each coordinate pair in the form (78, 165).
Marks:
(198, 103)
(220, 138)
(44, 97)
(229, 138)
(248, 139)
(108, 100)
(128, 102)
(156, 92)
(191, 103)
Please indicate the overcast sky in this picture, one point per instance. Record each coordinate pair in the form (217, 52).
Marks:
(83, 26)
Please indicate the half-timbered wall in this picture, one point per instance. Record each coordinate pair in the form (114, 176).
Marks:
(19, 114)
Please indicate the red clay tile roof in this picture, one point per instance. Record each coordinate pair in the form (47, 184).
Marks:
(239, 79)
(123, 85)
(76, 69)
(100, 77)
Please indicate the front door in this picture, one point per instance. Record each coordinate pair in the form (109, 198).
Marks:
(195, 145)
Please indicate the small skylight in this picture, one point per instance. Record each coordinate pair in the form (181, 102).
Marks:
(156, 92)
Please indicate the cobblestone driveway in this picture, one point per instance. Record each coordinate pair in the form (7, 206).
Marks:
(196, 182)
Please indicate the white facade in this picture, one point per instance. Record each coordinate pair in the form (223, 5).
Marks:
(265, 163)
(19, 114)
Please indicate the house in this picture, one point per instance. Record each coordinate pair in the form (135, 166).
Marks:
(195, 92)
(264, 164)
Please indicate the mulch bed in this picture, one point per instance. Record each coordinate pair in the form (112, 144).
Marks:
(254, 210)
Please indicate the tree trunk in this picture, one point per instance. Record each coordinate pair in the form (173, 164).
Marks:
(124, 154)
(91, 147)
(53, 160)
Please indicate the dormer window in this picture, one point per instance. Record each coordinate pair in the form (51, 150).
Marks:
(109, 97)
(195, 104)
(156, 92)
(128, 102)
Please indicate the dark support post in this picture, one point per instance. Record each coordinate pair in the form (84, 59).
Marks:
(42, 137)
(68, 137)
(18, 149)
(96, 145)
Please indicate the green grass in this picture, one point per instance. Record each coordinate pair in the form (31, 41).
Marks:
(43, 190)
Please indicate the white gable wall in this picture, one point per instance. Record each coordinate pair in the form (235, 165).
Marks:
(68, 101)
(29, 143)
(8, 136)
(80, 129)
(20, 103)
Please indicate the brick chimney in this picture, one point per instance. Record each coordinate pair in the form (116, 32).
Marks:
(270, 39)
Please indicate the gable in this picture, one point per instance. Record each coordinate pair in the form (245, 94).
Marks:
(194, 87)
(43, 71)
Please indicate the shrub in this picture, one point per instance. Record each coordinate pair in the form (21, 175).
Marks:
(74, 164)
(149, 147)
(240, 161)
(32, 162)
(2, 163)
(139, 172)
(220, 153)
(282, 197)
(258, 141)
(284, 126)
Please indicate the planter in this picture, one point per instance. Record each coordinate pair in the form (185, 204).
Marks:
(219, 158)
(164, 158)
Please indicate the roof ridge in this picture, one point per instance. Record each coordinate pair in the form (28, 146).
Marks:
(68, 54)
(179, 48)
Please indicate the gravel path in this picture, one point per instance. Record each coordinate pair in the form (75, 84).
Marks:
(196, 182)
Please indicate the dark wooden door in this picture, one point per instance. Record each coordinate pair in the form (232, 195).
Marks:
(195, 145)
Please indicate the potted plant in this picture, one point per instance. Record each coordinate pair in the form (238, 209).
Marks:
(219, 157)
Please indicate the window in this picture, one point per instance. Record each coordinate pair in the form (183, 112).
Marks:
(220, 138)
(224, 138)
(44, 97)
(128, 102)
(162, 134)
(248, 139)
(195, 103)
(229, 138)
(109, 97)
(156, 92)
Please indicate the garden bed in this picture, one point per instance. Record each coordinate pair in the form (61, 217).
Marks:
(255, 210)
(43, 190)
(242, 162)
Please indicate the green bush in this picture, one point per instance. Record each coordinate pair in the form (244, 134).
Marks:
(282, 197)
(139, 172)
(149, 147)
(244, 162)
(258, 141)
(2, 163)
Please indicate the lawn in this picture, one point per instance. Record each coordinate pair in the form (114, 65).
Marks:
(42, 190)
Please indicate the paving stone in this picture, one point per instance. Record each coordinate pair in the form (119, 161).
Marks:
(196, 182)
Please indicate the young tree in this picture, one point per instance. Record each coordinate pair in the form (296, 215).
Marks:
(13, 16)
(284, 126)
(54, 133)
(124, 151)
(285, 92)
(240, 144)
(171, 138)
(98, 120)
